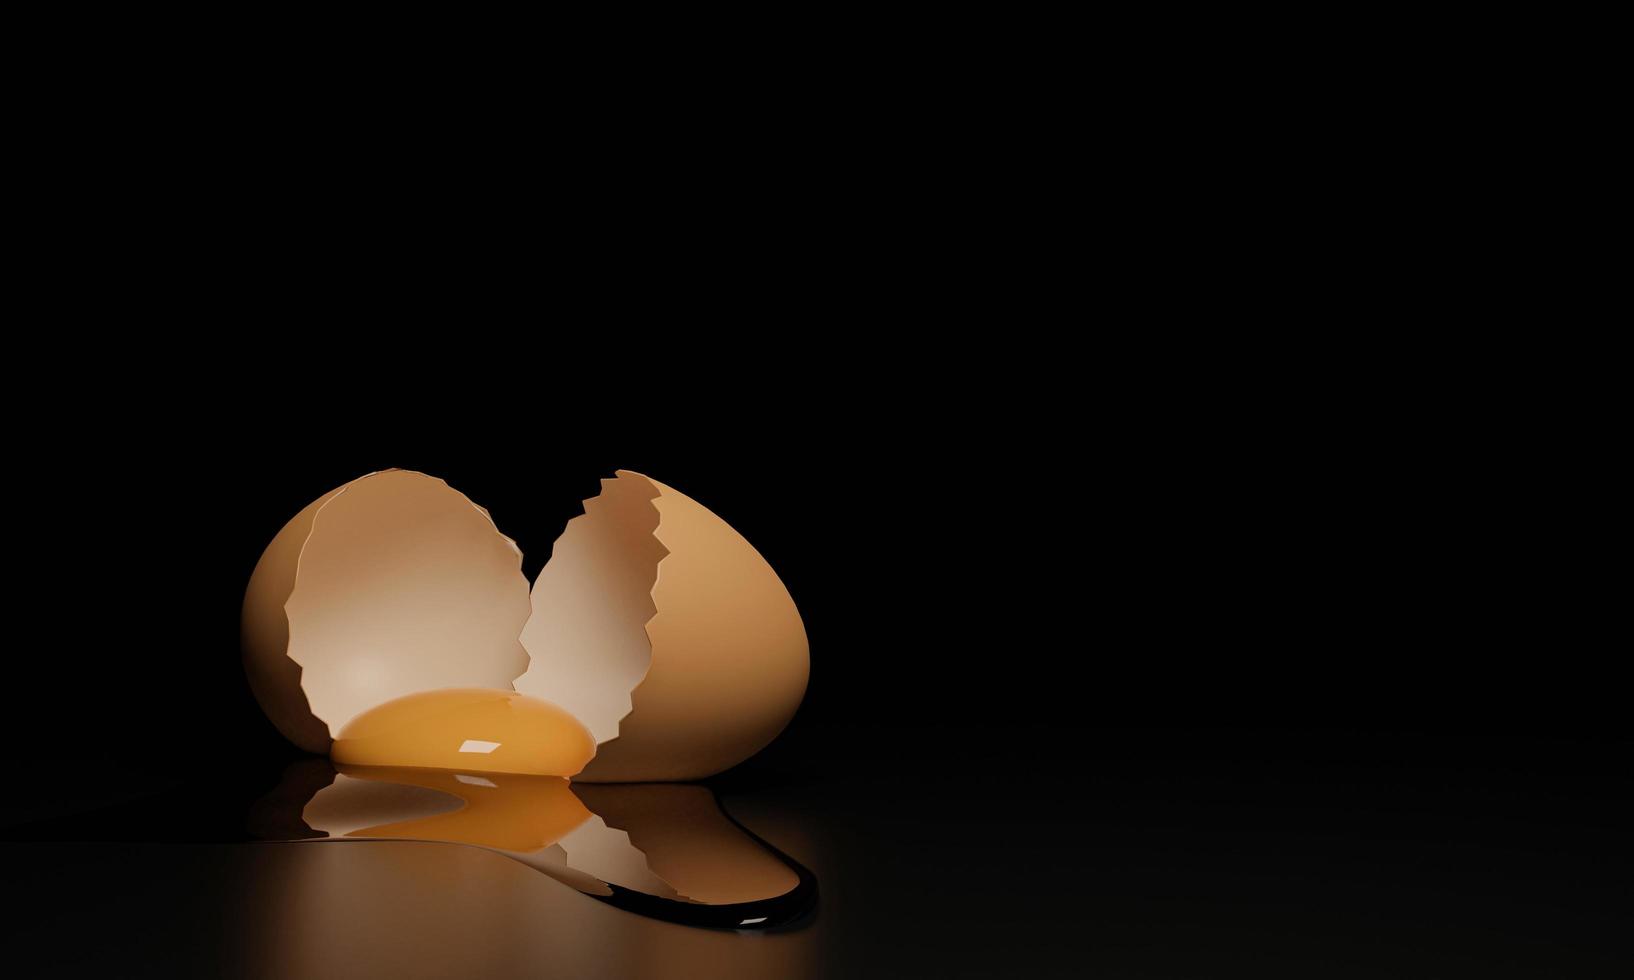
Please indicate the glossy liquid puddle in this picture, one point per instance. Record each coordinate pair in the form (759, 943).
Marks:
(665, 850)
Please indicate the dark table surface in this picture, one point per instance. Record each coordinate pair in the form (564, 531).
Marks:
(1130, 854)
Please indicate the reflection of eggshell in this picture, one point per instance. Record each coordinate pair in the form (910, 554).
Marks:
(529, 814)
(690, 844)
(626, 843)
(392, 584)
(666, 633)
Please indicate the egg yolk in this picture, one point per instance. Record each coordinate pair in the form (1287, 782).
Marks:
(469, 729)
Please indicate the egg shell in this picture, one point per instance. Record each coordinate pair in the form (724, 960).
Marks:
(655, 624)
(391, 584)
(726, 655)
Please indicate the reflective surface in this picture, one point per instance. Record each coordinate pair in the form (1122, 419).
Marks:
(1218, 855)
(662, 850)
(388, 909)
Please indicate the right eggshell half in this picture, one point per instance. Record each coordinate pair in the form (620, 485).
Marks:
(666, 633)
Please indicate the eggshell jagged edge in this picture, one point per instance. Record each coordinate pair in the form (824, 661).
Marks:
(278, 681)
(587, 641)
(717, 640)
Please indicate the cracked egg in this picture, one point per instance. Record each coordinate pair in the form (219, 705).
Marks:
(390, 617)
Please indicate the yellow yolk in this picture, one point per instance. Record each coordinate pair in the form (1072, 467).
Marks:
(468, 729)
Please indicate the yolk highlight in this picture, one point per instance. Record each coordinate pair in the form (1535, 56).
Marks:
(469, 729)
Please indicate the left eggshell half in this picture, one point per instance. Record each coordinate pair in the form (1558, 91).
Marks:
(392, 584)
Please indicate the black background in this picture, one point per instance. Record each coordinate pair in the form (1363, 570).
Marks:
(1199, 581)
(1163, 669)
(1034, 547)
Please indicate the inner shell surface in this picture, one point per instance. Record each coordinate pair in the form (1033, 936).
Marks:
(591, 604)
(403, 585)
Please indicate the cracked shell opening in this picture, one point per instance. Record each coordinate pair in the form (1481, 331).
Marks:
(392, 584)
(587, 637)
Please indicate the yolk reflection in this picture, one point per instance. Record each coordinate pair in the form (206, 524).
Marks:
(468, 729)
(524, 815)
